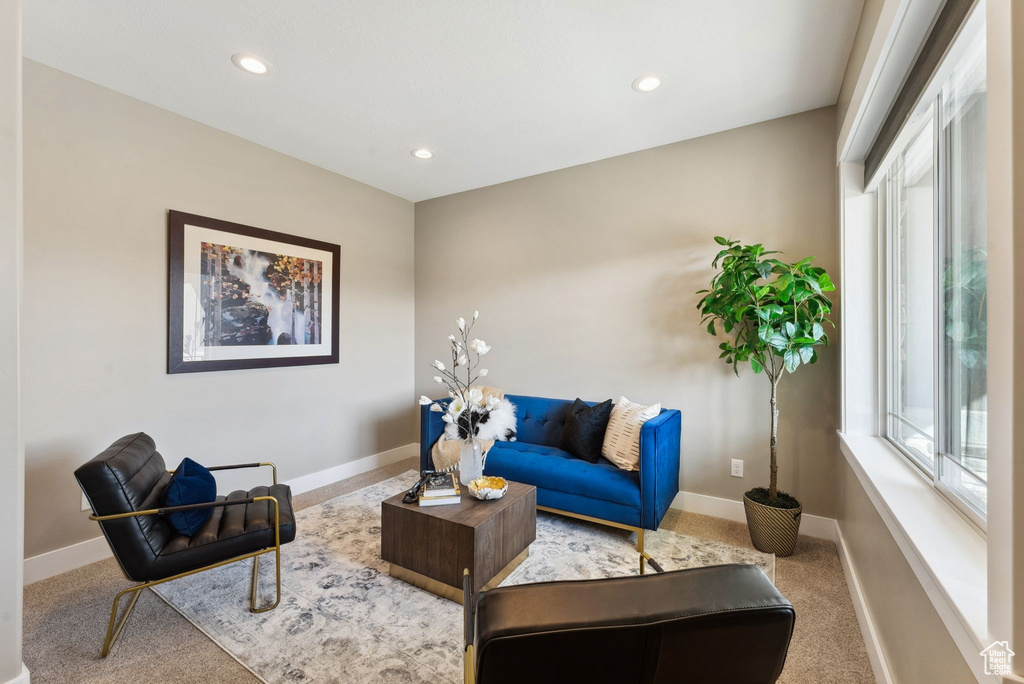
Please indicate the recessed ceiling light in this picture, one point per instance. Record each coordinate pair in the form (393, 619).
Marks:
(422, 153)
(251, 64)
(646, 84)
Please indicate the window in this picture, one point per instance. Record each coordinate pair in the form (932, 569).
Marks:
(933, 198)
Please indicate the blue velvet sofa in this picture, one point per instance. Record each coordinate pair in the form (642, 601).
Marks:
(572, 486)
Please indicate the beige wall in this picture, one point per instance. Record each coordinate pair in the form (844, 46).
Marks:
(865, 31)
(101, 171)
(916, 646)
(12, 463)
(585, 282)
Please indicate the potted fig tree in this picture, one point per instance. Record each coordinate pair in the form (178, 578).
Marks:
(772, 314)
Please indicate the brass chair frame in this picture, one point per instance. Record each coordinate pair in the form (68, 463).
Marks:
(114, 625)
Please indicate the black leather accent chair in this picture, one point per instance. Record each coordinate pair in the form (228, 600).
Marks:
(124, 486)
(724, 624)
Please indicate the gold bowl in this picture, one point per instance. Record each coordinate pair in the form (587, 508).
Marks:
(488, 487)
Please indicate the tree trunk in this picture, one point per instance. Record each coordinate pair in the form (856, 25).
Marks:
(774, 468)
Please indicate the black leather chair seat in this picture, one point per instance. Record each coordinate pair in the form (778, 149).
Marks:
(230, 531)
(719, 624)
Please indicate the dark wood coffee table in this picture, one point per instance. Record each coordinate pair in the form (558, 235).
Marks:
(430, 546)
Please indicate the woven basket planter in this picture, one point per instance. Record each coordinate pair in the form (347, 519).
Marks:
(772, 530)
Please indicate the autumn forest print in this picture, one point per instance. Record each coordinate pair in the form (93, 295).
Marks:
(252, 298)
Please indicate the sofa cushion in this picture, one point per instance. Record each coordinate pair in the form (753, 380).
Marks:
(583, 434)
(622, 438)
(554, 469)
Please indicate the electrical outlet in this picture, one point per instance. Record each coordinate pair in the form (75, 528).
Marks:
(85, 503)
(737, 468)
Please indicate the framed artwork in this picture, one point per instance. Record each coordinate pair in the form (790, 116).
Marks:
(244, 297)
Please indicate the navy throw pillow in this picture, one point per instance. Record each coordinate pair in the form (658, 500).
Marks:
(583, 432)
(190, 484)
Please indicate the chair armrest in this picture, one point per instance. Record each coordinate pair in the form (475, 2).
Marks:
(237, 466)
(659, 466)
(185, 507)
(431, 428)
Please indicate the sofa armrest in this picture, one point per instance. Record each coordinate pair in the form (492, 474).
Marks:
(659, 465)
(431, 428)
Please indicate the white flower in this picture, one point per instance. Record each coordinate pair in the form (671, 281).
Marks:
(492, 402)
(438, 379)
(461, 323)
(457, 406)
(479, 346)
(483, 372)
(476, 315)
(462, 360)
(446, 418)
(424, 400)
(451, 338)
(436, 408)
(438, 365)
(476, 397)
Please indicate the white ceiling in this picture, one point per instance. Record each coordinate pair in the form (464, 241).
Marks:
(499, 89)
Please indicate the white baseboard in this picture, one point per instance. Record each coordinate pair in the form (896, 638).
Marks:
(53, 563)
(20, 678)
(729, 509)
(860, 607)
(328, 476)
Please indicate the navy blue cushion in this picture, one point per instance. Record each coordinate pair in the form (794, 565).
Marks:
(191, 484)
(551, 468)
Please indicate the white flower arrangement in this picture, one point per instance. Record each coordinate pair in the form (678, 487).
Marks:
(466, 356)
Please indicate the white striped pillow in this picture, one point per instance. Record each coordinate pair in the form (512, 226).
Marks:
(622, 438)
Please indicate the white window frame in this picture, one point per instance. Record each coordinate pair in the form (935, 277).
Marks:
(888, 247)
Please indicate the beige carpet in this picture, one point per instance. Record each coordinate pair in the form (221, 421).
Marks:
(65, 616)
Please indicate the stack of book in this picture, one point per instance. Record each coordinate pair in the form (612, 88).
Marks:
(440, 489)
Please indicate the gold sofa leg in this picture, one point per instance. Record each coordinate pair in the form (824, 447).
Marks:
(639, 534)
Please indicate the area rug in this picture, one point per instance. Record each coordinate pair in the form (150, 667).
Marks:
(342, 618)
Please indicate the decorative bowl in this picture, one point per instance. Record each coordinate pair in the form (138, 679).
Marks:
(486, 487)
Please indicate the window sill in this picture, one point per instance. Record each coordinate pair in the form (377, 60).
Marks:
(946, 552)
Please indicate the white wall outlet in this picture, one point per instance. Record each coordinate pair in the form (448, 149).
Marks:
(85, 503)
(737, 468)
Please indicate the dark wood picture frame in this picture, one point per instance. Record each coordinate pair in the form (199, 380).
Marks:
(176, 363)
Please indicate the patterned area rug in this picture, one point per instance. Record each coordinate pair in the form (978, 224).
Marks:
(342, 618)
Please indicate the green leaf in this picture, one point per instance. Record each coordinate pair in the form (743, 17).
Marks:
(783, 281)
(756, 366)
(806, 353)
(814, 285)
(825, 283)
(764, 331)
(721, 240)
(792, 360)
(762, 291)
(817, 331)
(764, 269)
(778, 341)
(711, 328)
(790, 329)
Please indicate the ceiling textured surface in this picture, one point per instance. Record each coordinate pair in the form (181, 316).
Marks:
(498, 89)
